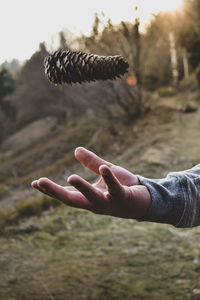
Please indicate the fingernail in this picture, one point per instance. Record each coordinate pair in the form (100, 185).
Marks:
(42, 181)
(104, 170)
(78, 150)
(33, 182)
(72, 179)
(69, 179)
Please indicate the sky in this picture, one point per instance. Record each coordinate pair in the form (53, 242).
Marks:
(24, 24)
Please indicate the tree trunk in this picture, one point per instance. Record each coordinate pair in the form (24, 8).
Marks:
(185, 64)
(174, 63)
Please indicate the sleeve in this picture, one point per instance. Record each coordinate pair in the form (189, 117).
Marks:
(175, 199)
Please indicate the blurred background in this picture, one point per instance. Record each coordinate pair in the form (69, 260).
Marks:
(148, 122)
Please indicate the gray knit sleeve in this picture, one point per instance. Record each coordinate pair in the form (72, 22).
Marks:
(175, 199)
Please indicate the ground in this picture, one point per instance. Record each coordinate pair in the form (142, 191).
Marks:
(64, 253)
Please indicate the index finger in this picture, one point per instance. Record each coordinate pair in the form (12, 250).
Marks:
(70, 198)
(90, 160)
(114, 187)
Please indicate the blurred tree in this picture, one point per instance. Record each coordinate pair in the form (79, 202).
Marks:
(156, 56)
(197, 73)
(3, 125)
(174, 62)
(185, 64)
(148, 55)
(133, 37)
(31, 89)
(7, 112)
(7, 83)
(123, 39)
(189, 31)
(65, 40)
(95, 27)
(35, 97)
(7, 86)
(12, 66)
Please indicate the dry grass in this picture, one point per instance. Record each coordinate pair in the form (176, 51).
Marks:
(64, 253)
(25, 210)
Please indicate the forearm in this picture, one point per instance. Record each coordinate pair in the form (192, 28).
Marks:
(175, 199)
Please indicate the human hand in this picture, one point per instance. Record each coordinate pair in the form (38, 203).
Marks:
(117, 192)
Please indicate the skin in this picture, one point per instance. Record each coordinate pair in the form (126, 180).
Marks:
(117, 192)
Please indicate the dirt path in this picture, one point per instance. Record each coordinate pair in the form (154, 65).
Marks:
(179, 144)
(189, 144)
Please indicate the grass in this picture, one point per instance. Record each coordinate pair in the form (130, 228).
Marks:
(189, 84)
(25, 210)
(3, 191)
(167, 92)
(62, 163)
(48, 251)
(34, 207)
(25, 160)
(117, 259)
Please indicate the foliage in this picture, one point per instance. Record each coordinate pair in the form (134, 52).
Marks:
(50, 155)
(156, 57)
(12, 66)
(148, 55)
(75, 254)
(26, 209)
(123, 39)
(7, 83)
(149, 58)
(198, 75)
(3, 191)
(7, 111)
(36, 98)
(167, 92)
(189, 36)
(66, 253)
(7, 86)
(190, 83)
(34, 207)
(117, 259)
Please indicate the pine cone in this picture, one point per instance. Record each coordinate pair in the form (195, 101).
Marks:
(71, 67)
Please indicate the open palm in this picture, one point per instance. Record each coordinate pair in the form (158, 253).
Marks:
(117, 192)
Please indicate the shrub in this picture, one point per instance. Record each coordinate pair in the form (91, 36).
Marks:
(167, 92)
(3, 191)
(26, 209)
(198, 75)
(189, 84)
(34, 207)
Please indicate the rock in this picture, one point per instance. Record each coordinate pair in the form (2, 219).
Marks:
(13, 230)
(190, 109)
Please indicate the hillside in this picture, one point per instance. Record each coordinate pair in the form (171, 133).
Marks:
(63, 253)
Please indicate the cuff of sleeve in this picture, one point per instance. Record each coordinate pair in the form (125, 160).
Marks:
(167, 201)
